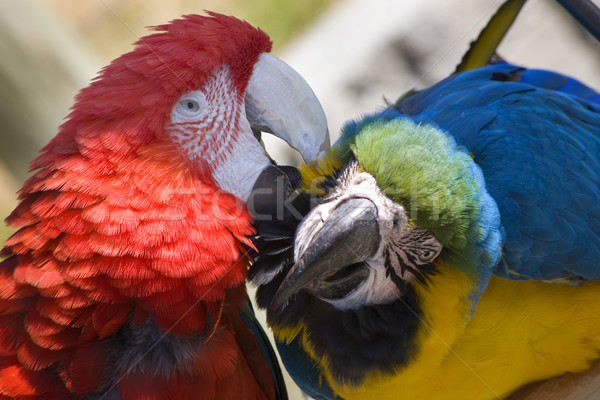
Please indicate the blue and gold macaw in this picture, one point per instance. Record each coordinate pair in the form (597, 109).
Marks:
(454, 250)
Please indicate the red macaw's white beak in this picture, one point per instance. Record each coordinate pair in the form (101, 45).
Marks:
(280, 101)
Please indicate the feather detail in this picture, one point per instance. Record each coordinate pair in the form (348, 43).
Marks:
(19, 382)
(83, 262)
(85, 368)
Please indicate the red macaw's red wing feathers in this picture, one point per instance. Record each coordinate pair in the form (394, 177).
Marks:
(85, 369)
(108, 318)
(35, 357)
(84, 263)
(12, 334)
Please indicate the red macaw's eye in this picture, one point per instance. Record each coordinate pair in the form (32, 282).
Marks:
(190, 105)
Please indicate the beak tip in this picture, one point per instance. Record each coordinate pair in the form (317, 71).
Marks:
(290, 286)
(313, 151)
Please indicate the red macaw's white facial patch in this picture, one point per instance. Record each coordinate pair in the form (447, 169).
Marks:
(210, 127)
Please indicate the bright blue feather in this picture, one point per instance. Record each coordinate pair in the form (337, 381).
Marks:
(536, 136)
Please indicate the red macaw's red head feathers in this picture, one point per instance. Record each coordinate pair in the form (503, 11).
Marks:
(138, 90)
(202, 83)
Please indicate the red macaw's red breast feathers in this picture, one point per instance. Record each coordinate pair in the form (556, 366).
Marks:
(120, 279)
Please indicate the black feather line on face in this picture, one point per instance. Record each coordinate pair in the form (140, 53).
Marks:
(422, 271)
(390, 272)
(412, 261)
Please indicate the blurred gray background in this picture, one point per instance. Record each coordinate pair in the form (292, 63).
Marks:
(352, 52)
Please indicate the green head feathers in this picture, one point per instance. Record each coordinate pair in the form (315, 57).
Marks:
(419, 167)
(437, 182)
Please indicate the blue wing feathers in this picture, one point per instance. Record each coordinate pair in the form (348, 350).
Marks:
(557, 82)
(536, 136)
(306, 374)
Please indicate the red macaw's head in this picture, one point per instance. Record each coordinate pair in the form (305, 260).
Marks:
(206, 83)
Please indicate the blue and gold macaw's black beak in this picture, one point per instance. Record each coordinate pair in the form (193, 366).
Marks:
(331, 249)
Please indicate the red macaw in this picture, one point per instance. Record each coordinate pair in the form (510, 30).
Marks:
(126, 277)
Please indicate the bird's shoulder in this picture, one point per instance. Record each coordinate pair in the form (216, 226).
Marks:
(536, 137)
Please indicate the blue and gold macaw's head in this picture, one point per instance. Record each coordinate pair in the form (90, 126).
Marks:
(404, 239)
(407, 196)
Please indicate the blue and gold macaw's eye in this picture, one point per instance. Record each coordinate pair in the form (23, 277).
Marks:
(426, 255)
